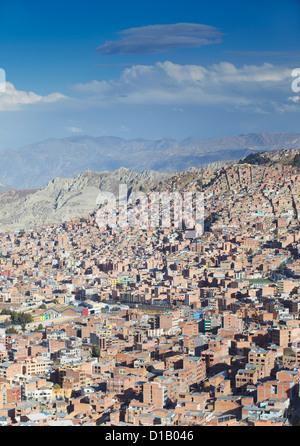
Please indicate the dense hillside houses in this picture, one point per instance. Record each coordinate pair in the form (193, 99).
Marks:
(150, 326)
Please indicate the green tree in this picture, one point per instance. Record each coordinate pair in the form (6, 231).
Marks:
(5, 311)
(199, 184)
(296, 160)
(255, 158)
(95, 352)
(14, 317)
(11, 330)
(19, 318)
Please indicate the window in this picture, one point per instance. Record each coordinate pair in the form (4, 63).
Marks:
(274, 389)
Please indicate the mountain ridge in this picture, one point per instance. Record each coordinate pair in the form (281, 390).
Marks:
(34, 165)
(65, 198)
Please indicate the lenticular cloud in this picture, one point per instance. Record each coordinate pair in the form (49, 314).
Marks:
(160, 38)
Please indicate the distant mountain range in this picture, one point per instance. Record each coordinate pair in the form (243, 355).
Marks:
(34, 165)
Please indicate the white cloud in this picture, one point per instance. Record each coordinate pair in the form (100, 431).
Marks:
(123, 128)
(294, 99)
(258, 89)
(166, 83)
(74, 129)
(13, 99)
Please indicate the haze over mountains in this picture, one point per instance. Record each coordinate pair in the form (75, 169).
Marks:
(34, 165)
(55, 180)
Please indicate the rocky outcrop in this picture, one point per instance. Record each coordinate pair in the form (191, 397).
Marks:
(64, 198)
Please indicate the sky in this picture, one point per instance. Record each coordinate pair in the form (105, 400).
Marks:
(148, 70)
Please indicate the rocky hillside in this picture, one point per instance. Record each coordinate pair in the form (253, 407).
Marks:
(64, 198)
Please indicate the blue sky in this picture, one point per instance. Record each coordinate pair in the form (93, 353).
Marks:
(147, 69)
